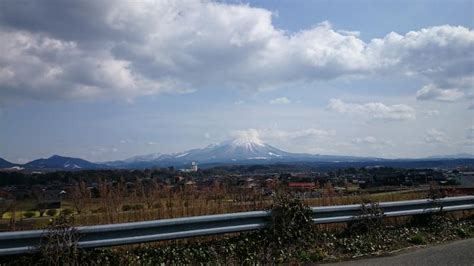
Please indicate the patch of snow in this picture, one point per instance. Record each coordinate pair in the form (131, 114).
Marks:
(273, 154)
(16, 168)
(144, 158)
(181, 155)
(69, 165)
(257, 158)
(248, 139)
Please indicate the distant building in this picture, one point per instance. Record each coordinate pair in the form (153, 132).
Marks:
(194, 168)
(302, 186)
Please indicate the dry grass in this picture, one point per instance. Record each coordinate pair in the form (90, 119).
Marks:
(119, 203)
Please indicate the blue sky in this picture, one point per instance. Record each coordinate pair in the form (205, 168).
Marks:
(102, 82)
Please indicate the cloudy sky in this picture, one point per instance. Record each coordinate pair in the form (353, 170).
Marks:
(106, 80)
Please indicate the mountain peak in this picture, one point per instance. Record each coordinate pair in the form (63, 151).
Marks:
(61, 162)
(247, 138)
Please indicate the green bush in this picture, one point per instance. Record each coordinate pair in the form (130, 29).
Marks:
(418, 239)
(462, 233)
(311, 256)
(290, 228)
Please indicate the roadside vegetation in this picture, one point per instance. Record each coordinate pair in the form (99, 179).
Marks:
(115, 203)
(290, 238)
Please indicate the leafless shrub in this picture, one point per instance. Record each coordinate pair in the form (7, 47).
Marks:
(370, 218)
(59, 244)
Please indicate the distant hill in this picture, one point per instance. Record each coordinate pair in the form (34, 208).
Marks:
(61, 163)
(246, 150)
(6, 164)
(453, 156)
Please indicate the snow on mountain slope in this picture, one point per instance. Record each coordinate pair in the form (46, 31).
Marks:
(245, 147)
(144, 158)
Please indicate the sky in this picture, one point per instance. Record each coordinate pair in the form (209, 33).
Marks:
(107, 80)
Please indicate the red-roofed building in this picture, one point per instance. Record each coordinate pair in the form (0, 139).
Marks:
(302, 186)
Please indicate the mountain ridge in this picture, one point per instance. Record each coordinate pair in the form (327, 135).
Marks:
(61, 162)
(246, 149)
(6, 164)
(242, 150)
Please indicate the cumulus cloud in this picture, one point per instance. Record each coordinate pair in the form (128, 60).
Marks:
(42, 67)
(309, 133)
(431, 92)
(374, 110)
(435, 136)
(279, 135)
(281, 100)
(129, 48)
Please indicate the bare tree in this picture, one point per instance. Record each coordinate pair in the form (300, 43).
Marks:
(80, 196)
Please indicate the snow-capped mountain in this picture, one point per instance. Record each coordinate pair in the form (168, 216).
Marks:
(246, 148)
(234, 150)
(239, 149)
(59, 162)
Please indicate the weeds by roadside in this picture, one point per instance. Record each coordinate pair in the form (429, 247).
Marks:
(290, 238)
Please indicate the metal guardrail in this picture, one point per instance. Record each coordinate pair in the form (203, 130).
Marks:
(21, 242)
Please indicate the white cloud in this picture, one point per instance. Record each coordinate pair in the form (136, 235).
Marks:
(374, 110)
(129, 48)
(435, 136)
(281, 100)
(431, 92)
(280, 135)
(309, 133)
